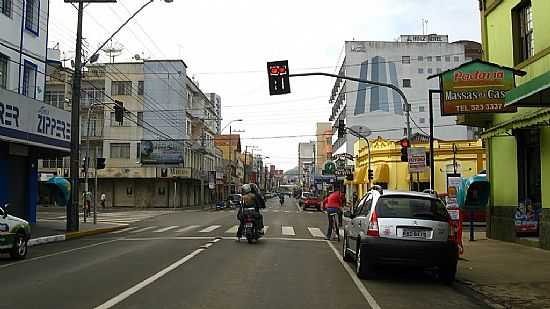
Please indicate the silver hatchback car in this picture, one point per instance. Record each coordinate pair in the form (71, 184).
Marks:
(405, 228)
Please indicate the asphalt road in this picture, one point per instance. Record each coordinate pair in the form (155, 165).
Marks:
(192, 260)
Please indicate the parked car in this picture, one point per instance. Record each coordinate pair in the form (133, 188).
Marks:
(235, 200)
(14, 234)
(406, 228)
(309, 200)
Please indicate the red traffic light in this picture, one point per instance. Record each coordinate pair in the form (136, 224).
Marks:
(274, 70)
(405, 143)
(282, 70)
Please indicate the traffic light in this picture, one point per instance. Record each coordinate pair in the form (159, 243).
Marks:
(99, 163)
(370, 174)
(278, 76)
(341, 128)
(405, 144)
(119, 111)
(83, 166)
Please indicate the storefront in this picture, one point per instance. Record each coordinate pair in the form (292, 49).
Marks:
(29, 130)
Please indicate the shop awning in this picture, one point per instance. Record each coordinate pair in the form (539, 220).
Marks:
(382, 174)
(359, 175)
(539, 117)
(534, 93)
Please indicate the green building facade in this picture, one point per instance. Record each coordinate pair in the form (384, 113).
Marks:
(515, 34)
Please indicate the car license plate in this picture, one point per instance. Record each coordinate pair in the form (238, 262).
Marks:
(248, 225)
(415, 234)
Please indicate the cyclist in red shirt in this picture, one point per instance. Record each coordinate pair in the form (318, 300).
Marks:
(333, 204)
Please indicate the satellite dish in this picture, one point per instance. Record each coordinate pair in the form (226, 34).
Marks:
(363, 130)
(94, 58)
(136, 57)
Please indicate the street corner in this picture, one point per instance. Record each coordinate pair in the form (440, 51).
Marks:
(96, 231)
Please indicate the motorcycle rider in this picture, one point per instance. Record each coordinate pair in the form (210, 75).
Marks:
(281, 199)
(251, 198)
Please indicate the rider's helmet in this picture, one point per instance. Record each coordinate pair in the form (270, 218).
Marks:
(246, 188)
(255, 188)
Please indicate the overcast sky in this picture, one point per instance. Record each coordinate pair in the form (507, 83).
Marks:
(226, 43)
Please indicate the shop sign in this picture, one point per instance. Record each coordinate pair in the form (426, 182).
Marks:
(476, 87)
(453, 183)
(526, 217)
(33, 122)
(417, 160)
(211, 179)
(161, 152)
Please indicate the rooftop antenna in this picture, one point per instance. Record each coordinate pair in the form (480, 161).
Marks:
(424, 26)
(113, 50)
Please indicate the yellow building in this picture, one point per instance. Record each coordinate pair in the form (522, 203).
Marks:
(391, 173)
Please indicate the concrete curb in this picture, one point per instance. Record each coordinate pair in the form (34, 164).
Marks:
(73, 235)
(466, 288)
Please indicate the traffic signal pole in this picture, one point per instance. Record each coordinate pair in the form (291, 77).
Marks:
(432, 163)
(357, 134)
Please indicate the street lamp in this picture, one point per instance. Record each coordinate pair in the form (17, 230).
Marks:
(229, 123)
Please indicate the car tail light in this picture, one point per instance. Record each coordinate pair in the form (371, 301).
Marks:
(373, 225)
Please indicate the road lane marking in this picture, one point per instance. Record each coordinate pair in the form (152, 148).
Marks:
(368, 297)
(166, 229)
(275, 210)
(209, 229)
(143, 229)
(288, 231)
(341, 232)
(58, 253)
(187, 228)
(266, 227)
(136, 288)
(287, 211)
(315, 232)
(124, 230)
(232, 230)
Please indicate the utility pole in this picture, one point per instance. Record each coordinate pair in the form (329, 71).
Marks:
(72, 207)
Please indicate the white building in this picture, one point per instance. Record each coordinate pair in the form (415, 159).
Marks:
(404, 63)
(306, 161)
(162, 152)
(29, 129)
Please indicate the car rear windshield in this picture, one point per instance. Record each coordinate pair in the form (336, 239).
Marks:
(411, 207)
(307, 195)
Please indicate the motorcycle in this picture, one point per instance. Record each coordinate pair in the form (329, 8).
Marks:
(251, 229)
(281, 200)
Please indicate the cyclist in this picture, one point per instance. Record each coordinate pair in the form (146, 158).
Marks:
(333, 205)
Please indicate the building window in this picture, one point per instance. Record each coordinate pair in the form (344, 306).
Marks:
(140, 87)
(420, 70)
(126, 122)
(438, 70)
(430, 70)
(188, 127)
(447, 58)
(55, 98)
(90, 96)
(421, 109)
(32, 16)
(522, 27)
(5, 7)
(406, 59)
(121, 88)
(138, 151)
(420, 58)
(406, 83)
(120, 151)
(29, 79)
(4, 70)
(429, 58)
(456, 59)
(438, 58)
(140, 119)
(422, 120)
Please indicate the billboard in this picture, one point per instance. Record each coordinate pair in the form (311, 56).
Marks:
(161, 152)
(475, 87)
(417, 160)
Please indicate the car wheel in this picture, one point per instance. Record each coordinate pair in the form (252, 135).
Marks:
(363, 266)
(447, 273)
(19, 250)
(346, 255)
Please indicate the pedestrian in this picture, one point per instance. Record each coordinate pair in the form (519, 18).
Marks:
(102, 198)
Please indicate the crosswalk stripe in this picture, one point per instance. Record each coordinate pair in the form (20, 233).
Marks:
(209, 229)
(341, 232)
(288, 230)
(315, 232)
(232, 230)
(187, 228)
(266, 227)
(124, 230)
(166, 229)
(144, 229)
(287, 211)
(275, 210)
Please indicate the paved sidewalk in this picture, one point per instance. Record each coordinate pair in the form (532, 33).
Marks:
(54, 231)
(508, 275)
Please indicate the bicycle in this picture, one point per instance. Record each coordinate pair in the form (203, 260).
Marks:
(333, 220)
